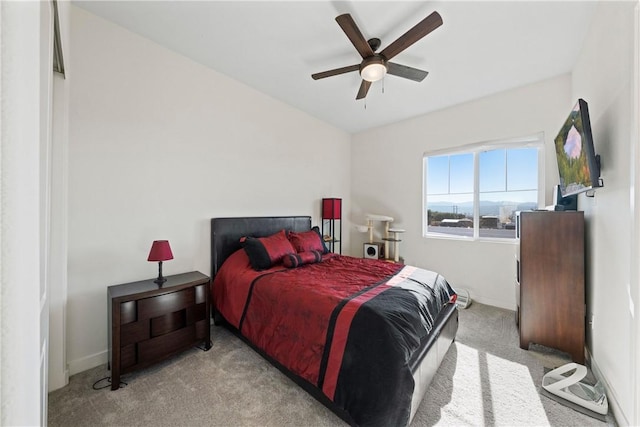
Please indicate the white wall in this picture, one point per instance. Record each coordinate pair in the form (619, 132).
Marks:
(603, 77)
(387, 179)
(159, 145)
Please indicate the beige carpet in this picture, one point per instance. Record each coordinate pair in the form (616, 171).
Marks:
(485, 380)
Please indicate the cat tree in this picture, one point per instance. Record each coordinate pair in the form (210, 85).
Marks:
(391, 235)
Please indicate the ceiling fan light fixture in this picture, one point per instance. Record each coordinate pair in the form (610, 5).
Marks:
(373, 72)
(373, 69)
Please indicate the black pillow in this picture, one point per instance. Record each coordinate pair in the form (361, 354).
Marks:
(325, 250)
(264, 252)
(301, 258)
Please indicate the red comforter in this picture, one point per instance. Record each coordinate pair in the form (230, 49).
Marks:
(348, 326)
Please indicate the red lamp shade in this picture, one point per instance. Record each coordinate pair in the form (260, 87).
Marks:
(331, 208)
(160, 251)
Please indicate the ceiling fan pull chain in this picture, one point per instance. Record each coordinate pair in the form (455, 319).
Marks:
(383, 85)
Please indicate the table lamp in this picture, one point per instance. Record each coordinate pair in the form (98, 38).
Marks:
(160, 251)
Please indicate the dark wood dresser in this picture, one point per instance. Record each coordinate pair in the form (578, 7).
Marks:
(148, 322)
(550, 282)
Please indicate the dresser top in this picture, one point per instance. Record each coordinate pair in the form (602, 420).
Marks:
(173, 283)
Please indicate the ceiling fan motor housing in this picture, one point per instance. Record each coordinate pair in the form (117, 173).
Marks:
(374, 43)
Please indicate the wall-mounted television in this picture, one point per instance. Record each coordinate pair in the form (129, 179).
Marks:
(578, 164)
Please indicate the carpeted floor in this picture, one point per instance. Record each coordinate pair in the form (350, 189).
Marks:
(485, 379)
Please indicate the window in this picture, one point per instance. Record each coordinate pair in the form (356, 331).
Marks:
(475, 191)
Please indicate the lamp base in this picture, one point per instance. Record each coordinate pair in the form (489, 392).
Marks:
(160, 280)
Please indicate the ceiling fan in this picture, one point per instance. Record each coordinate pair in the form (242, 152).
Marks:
(374, 65)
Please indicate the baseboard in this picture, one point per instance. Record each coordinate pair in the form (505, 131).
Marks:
(88, 362)
(616, 411)
(507, 305)
(57, 380)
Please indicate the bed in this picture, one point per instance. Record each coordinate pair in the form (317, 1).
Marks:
(364, 337)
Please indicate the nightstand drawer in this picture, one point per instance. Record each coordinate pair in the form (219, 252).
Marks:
(168, 323)
(128, 356)
(134, 332)
(149, 308)
(154, 348)
(128, 312)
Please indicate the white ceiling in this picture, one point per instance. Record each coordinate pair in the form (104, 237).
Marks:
(483, 47)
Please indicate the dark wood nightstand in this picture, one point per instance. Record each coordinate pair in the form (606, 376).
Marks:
(148, 322)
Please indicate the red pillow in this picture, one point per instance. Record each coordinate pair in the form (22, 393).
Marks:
(308, 241)
(264, 252)
(301, 258)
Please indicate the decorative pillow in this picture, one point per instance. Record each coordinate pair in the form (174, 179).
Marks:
(264, 252)
(308, 241)
(301, 258)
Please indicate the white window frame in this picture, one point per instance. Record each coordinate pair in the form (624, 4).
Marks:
(532, 141)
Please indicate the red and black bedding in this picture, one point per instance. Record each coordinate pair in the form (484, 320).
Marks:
(351, 329)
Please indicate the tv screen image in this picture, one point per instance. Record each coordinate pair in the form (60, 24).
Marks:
(578, 165)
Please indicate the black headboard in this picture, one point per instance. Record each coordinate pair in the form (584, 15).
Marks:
(226, 232)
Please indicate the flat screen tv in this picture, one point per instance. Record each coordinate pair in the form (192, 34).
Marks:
(578, 164)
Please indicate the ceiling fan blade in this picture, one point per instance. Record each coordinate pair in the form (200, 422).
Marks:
(364, 88)
(335, 72)
(350, 28)
(420, 30)
(407, 72)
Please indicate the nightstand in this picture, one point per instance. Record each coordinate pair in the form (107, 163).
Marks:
(148, 322)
